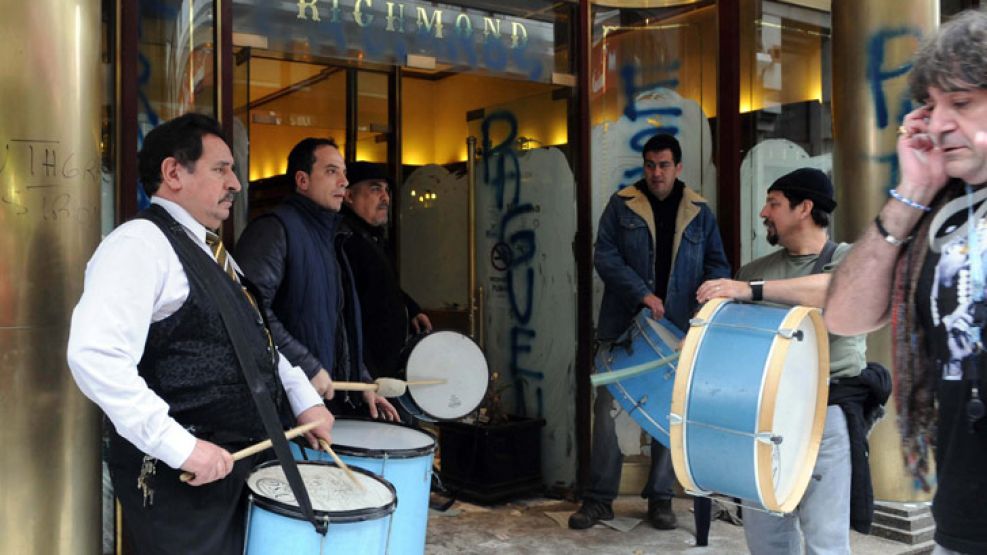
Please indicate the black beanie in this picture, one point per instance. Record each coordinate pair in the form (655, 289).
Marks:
(363, 171)
(808, 183)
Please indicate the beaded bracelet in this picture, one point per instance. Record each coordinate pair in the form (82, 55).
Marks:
(891, 239)
(907, 201)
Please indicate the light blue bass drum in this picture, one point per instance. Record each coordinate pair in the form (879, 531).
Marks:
(749, 402)
(639, 370)
(400, 454)
(358, 516)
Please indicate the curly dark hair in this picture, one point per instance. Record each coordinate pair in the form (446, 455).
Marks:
(952, 59)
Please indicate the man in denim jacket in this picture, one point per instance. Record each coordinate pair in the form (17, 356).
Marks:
(657, 242)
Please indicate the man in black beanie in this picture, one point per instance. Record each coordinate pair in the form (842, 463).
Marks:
(796, 215)
(389, 314)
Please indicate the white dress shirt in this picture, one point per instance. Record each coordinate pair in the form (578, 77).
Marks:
(133, 280)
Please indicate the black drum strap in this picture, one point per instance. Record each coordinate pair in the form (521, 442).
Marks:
(262, 397)
(825, 257)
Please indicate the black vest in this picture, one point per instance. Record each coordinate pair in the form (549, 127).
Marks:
(189, 359)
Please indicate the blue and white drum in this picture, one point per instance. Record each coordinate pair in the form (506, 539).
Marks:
(639, 371)
(751, 390)
(359, 518)
(401, 455)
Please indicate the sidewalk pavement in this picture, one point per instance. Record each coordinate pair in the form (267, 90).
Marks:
(527, 527)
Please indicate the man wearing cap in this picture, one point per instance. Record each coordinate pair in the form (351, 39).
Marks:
(796, 215)
(389, 314)
(305, 283)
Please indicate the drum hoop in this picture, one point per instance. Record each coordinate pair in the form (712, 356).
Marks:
(405, 453)
(680, 393)
(410, 394)
(768, 403)
(339, 517)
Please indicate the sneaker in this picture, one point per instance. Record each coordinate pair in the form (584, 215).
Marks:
(660, 514)
(589, 514)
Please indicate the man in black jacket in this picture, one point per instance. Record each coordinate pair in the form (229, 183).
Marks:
(307, 290)
(389, 314)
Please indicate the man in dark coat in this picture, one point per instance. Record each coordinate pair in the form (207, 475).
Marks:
(305, 282)
(389, 314)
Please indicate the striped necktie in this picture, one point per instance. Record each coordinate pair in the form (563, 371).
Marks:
(223, 259)
(220, 254)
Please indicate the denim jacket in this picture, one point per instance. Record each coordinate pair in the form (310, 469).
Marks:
(625, 258)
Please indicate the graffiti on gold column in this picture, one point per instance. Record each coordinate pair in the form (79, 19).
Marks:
(39, 178)
(881, 73)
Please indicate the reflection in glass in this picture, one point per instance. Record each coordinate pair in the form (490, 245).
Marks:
(785, 102)
(176, 72)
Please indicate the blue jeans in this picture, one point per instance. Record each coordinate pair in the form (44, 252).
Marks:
(823, 515)
(606, 458)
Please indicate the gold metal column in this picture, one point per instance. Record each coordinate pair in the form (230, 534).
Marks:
(50, 90)
(873, 42)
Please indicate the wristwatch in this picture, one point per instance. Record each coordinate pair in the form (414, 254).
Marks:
(757, 289)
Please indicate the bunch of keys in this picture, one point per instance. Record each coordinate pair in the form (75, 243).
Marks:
(148, 469)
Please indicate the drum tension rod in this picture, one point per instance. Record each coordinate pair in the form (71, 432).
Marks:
(768, 437)
(789, 333)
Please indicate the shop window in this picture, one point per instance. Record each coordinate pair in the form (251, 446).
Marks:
(652, 71)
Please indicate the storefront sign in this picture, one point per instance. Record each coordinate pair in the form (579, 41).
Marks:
(388, 31)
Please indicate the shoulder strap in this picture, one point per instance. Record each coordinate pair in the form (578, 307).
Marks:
(825, 257)
(225, 304)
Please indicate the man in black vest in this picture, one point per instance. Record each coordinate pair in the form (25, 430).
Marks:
(151, 345)
(389, 314)
(306, 285)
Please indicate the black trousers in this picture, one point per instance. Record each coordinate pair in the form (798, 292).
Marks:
(183, 519)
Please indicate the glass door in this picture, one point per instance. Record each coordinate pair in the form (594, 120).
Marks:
(281, 103)
(525, 229)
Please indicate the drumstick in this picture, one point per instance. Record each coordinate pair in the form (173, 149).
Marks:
(263, 445)
(426, 382)
(605, 378)
(339, 462)
(386, 387)
(361, 386)
(354, 386)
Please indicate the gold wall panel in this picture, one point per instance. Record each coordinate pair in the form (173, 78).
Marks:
(50, 87)
(873, 43)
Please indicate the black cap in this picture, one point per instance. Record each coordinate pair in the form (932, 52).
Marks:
(808, 183)
(363, 171)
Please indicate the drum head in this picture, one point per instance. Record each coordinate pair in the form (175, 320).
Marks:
(329, 489)
(376, 439)
(796, 409)
(456, 359)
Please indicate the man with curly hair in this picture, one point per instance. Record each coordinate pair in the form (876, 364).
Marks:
(920, 265)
